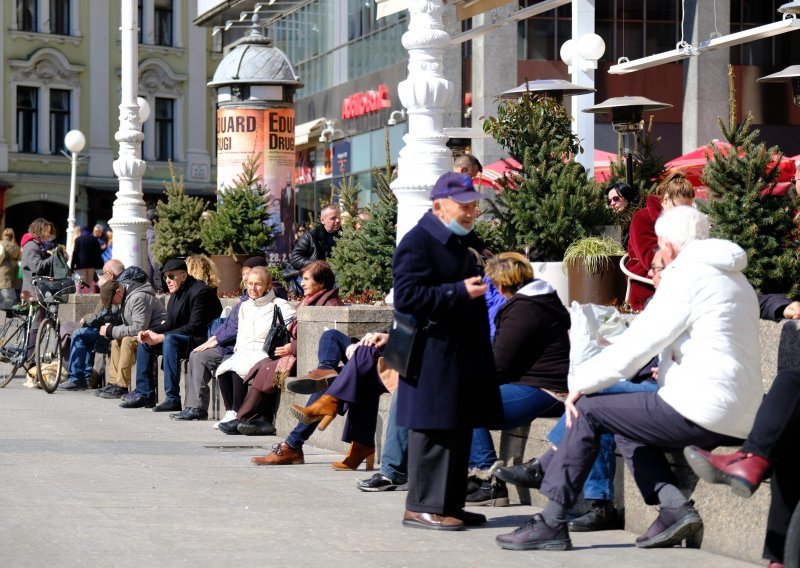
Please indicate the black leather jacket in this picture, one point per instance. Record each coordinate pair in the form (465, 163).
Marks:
(312, 246)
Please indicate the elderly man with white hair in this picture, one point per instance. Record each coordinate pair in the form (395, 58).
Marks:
(703, 324)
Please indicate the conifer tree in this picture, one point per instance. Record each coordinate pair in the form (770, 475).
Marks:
(550, 202)
(241, 222)
(362, 257)
(743, 208)
(176, 233)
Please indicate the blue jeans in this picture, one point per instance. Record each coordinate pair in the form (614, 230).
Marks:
(331, 349)
(81, 354)
(394, 456)
(521, 405)
(302, 432)
(599, 485)
(174, 348)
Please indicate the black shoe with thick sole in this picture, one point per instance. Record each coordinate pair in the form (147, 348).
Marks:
(671, 527)
(138, 402)
(536, 534)
(74, 386)
(113, 391)
(168, 405)
(256, 427)
(601, 516)
(190, 413)
(378, 482)
(229, 427)
(492, 493)
(529, 474)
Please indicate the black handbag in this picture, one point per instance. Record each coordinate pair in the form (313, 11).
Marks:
(403, 351)
(278, 335)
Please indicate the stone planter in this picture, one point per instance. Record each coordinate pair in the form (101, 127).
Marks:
(229, 272)
(604, 287)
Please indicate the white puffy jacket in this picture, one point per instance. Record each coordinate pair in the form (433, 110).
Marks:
(703, 322)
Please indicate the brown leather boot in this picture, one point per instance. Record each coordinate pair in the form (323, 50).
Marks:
(323, 411)
(355, 455)
(281, 454)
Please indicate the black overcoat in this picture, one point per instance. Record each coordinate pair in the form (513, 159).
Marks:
(189, 311)
(457, 387)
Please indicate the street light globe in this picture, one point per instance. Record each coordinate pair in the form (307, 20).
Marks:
(144, 109)
(75, 141)
(591, 47)
(566, 52)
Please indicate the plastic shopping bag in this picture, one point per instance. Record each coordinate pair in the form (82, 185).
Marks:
(590, 329)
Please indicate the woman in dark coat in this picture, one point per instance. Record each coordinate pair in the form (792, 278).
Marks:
(36, 261)
(437, 281)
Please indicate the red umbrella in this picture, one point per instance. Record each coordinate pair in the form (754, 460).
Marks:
(492, 173)
(692, 164)
(602, 164)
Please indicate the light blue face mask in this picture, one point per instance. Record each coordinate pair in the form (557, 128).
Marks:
(457, 228)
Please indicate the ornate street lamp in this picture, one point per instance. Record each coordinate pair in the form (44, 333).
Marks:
(626, 119)
(74, 141)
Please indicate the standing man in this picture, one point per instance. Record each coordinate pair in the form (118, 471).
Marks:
(437, 281)
(316, 244)
(191, 307)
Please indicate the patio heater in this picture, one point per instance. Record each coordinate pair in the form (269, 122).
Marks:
(626, 119)
(791, 75)
(553, 88)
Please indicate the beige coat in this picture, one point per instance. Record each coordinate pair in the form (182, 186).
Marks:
(9, 256)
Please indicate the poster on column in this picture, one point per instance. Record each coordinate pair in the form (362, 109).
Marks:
(269, 134)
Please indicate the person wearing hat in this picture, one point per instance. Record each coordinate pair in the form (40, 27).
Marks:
(140, 309)
(192, 306)
(436, 280)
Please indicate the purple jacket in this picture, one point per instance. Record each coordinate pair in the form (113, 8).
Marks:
(226, 333)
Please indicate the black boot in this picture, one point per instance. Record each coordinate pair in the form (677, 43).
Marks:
(528, 474)
(601, 516)
(491, 492)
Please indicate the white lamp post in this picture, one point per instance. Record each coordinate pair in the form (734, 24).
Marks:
(75, 141)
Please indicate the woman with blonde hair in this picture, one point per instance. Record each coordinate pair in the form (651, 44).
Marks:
(202, 268)
(9, 256)
(531, 355)
(674, 190)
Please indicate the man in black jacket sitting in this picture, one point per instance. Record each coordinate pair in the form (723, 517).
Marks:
(191, 307)
(316, 244)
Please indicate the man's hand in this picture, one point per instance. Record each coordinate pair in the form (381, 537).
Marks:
(792, 311)
(377, 339)
(210, 343)
(283, 350)
(475, 287)
(103, 329)
(150, 337)
(569, 405)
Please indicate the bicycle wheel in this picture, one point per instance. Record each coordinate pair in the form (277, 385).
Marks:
(48, 356)
(791, 551)
(12, 349)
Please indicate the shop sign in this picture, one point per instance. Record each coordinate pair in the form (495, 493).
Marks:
(359, 104)
(341, 158)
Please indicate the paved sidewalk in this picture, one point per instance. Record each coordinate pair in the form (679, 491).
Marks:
(85, 483)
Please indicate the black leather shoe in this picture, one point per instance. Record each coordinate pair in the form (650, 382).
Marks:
(529, 474)
(256, 427)
(470, 519)
(74, 386)
(536, 534)
(229, 427)
(671, 527)
(601, 516)
(138, 401)
(169, 405)
(190, 413)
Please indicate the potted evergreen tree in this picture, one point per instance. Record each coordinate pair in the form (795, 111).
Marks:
(239, 227)
(550, 202)
(744, 208)
(176, 228)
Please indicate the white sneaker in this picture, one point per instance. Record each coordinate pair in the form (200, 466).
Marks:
(229, 415)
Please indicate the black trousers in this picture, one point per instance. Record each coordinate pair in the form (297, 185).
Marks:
(437, 470)
(774, 436)
(644, 426)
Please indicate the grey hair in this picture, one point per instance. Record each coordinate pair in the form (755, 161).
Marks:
(681, 225)
(331, 207)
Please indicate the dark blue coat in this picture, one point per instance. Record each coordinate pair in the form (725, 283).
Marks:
(457, 387)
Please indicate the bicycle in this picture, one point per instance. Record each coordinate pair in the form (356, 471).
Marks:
(16, 332)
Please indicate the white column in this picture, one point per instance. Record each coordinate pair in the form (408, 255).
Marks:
(583, 122)
(101, 155)
(128, 221)
(426, 94)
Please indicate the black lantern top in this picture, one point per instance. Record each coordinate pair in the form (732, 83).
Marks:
(626, 112)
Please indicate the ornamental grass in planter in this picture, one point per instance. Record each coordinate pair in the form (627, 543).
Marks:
(592, 265)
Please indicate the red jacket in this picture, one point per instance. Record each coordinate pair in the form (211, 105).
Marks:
(641, 249)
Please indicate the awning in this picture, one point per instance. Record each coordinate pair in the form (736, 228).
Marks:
(308, 132)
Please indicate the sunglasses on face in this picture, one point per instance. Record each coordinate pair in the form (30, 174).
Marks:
(615, 198)
(173, 275)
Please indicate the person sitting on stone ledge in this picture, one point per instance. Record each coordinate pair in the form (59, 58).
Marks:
(191, 307)
(206, 357)
(84, 335)
(140, 309)
(703, 320)
(255, 411)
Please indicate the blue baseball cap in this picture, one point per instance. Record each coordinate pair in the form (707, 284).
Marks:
(456, 186)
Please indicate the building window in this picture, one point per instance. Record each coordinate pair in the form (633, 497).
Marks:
(162, 22)
(59, 118)
(139, 16)
(28, 119)
(27, 15)
(165, 129)
(59, 17)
